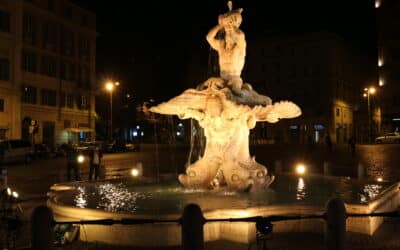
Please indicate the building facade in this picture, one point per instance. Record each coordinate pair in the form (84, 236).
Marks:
(317, 71)
(388, 62)
(47, 71)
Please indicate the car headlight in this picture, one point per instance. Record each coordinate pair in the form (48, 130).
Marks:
(81, 158)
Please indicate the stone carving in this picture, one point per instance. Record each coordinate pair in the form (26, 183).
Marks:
(227, 109)
(231, 47)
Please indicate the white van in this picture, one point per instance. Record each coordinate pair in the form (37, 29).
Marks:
(16, 151)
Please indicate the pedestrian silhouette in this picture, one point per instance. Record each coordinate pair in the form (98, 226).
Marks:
(72, 163)
(352, 145)
(95, 161)
(328, 142)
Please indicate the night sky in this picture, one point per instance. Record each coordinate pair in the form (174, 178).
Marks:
(145, 44)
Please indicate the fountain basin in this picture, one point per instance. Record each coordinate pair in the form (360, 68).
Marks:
(123, 198)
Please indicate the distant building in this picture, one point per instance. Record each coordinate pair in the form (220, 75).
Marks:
(319, 72)
(388, 61)
(47, 70)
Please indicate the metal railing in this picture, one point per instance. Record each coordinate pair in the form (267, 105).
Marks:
(192, 223)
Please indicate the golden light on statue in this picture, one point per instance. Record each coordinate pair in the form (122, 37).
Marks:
(227, 134)
(300, 169)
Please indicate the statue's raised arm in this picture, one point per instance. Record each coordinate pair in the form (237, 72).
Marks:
(231, 46)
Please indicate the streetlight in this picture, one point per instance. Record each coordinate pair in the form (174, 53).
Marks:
(110, 87)
(367, 92)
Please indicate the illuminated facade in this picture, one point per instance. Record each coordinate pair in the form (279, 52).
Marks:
(319, 72)
(47, 70)
(388, 19)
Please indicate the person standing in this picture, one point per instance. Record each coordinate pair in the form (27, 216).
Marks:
(352, 145)
(72, 163)
(95, 160)
(2, 153)
(328, 142)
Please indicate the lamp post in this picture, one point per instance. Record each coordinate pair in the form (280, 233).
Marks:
(110, 88)
(367, 92)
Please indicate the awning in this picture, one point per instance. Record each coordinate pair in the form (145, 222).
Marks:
(78, 130)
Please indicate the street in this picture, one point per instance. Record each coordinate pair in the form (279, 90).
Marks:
(34, 179)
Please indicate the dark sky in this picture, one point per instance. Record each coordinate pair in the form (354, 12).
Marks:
(139, 39)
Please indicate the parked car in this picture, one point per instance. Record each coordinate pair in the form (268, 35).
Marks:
(120, 146)
(388, 138)
(85, 147)
(60, 150)
(17, 151)
(41, 151)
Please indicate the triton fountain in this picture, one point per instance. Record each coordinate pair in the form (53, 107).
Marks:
(227, 108)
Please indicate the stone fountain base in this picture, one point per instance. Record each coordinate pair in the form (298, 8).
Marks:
(155, 235)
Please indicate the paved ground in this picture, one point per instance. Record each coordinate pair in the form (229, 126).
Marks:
(33, 181)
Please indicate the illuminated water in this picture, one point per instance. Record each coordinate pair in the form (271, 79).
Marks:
(135, 197)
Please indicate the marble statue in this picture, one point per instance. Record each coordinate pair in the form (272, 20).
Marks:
(227, 109)
(231, 48)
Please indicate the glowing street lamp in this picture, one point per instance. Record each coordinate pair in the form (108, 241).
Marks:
(109, 86)
(301, 169)
(367, 92)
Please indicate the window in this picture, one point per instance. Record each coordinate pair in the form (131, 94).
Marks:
(263, 52)
(29, 95)
(277, 67)
(337, 111)
(49, 66)
(279, 49)
(67, 123)
(4, 21)
(69, 101)
(67, 71)
(4, 69)
(67, 42)
(83, 104)
(62, 99)
(29, 29)
(84, 48)
(49, 36)
(29, 61)
(306, 71)
(1, 105)
(2, 135)
(49, 97)
(84, 20)
(263, 68)
(84, 77)
(292, 51)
